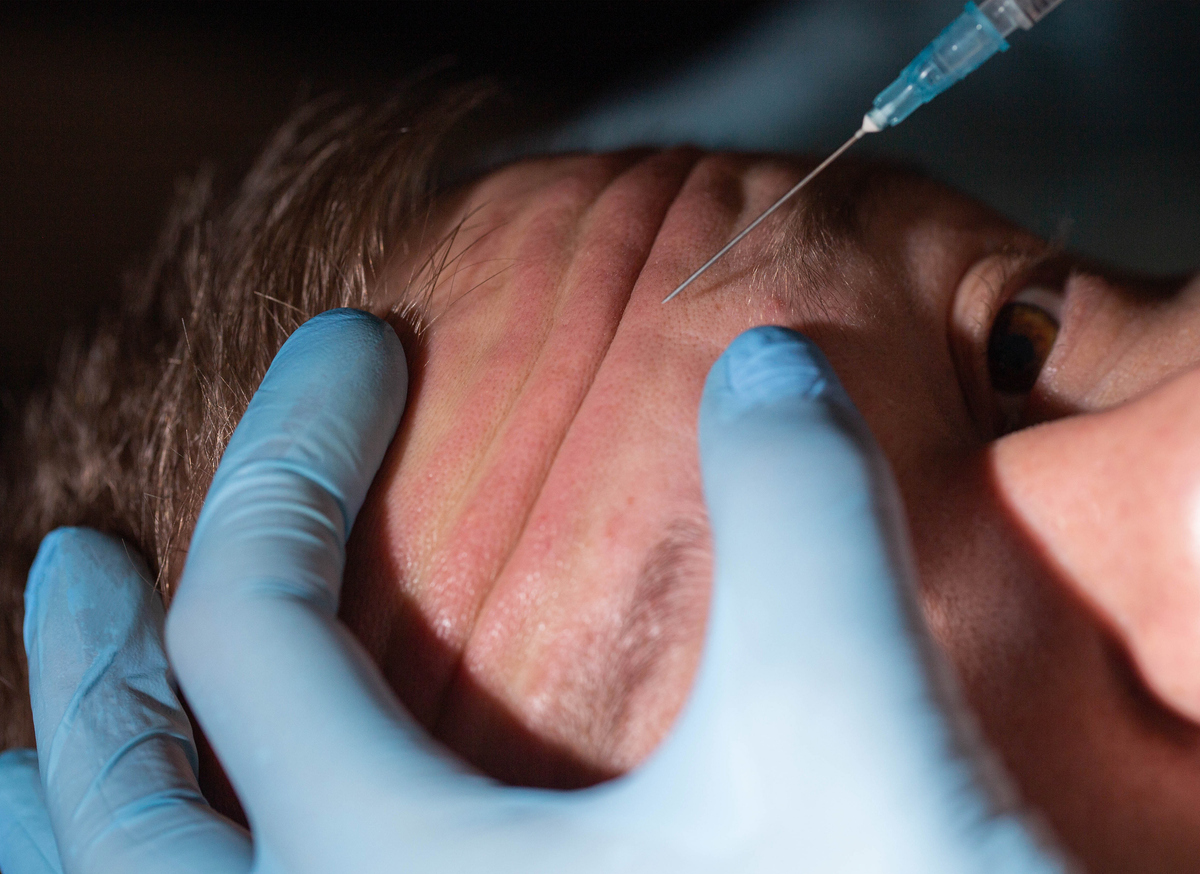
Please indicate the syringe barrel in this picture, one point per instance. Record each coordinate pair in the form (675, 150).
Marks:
(960, 49)
(1037, 9)
(1008, 15)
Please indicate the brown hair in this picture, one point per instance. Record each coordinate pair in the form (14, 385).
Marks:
(128, 431)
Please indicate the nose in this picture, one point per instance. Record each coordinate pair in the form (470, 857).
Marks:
(1113, 499)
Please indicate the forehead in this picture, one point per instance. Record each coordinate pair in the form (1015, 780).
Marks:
(698, 201)
(865, 261)
(547, 463)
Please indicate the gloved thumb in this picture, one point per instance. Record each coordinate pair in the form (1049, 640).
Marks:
(866, 747)
(805, 515)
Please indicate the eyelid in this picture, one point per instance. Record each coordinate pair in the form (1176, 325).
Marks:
(1039, 295)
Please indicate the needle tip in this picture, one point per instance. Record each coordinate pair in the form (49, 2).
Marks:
(684, 285)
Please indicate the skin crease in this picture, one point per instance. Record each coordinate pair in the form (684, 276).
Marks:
(531, 568)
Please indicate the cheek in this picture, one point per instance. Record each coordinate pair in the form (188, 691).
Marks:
(1116, 344)
(1089, 749)
(1113, 500)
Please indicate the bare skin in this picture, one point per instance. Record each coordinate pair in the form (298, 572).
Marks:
(532, 566)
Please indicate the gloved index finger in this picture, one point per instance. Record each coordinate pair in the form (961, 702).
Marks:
(292, 706)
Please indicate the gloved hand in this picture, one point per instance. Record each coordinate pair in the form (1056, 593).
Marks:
(815, 739)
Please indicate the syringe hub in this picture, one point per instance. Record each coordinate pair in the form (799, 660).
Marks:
(958, 51)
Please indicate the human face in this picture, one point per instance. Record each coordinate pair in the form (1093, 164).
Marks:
(532, 566)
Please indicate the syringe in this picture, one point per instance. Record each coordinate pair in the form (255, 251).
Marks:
(957, 52)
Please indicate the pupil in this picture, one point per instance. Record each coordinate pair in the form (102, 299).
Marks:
(1020, 343)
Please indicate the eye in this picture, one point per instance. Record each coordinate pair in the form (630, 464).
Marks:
(1004, 327)
(1020, 342)
(1022, 337)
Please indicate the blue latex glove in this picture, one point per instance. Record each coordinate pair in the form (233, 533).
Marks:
(813, 740)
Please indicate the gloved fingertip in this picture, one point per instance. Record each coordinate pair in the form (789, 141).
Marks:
(767, 365)
(342, 316)
(348, 327)
(47, 558)
(43, 572)
(325, 414)
(772, 409)
(85, 564)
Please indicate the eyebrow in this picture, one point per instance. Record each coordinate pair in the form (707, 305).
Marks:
(832, 215)
(669, 604)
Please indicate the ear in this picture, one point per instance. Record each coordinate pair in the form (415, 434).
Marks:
(1113, 498)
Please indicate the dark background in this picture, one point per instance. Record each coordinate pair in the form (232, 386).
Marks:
(104, 106)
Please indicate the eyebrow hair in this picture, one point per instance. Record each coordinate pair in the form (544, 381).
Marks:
(830, 216)
(665, 614)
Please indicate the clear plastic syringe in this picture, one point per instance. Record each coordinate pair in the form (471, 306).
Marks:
(957, 52)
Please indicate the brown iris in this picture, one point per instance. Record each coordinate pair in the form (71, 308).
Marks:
(1019, 345)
